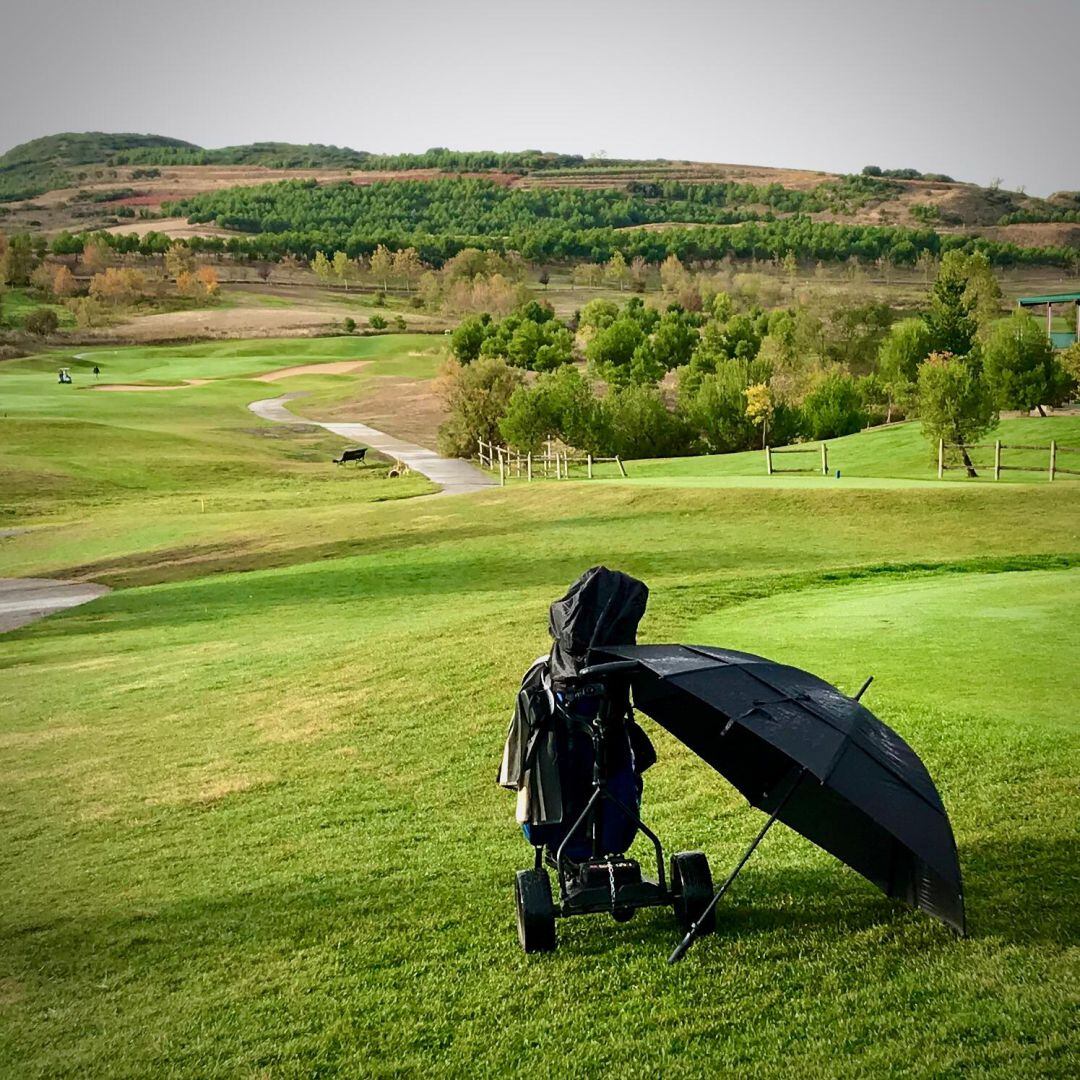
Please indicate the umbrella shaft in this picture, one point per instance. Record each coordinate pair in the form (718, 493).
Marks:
(692, 933)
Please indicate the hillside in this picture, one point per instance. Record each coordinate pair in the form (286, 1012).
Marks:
(97, 180)
(40, 165)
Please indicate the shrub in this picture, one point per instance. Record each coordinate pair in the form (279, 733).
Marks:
(349, 325)
(400, 323)
(833, 408)
(477, 396)
(377, 322)
(42, 321)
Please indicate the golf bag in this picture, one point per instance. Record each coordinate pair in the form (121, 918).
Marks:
(563, 720)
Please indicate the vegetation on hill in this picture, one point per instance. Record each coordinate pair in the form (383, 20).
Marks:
(315, 155)
(47, 163)
(440, 218)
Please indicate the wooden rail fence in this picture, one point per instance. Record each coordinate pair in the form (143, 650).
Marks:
(771, 452)
(555, 461)
(1052, 468)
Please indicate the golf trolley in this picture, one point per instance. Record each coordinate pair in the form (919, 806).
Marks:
(593, 878)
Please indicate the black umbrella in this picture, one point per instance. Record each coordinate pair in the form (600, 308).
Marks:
(812, 758)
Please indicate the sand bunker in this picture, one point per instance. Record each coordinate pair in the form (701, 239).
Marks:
(336, 367)
(143, 386)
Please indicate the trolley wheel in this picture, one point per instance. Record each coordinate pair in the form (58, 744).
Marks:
(622, 914)
(692, 887)
(535, 911)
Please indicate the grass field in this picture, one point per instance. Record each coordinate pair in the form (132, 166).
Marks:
(248, 814)
(898, 455)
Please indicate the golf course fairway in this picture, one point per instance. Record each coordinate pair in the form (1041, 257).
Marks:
(249, 824)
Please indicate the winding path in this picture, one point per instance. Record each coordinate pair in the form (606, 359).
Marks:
(456, 477)
(25, 600)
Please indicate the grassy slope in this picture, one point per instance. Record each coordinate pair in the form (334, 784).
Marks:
(249, 823)
(899, 452)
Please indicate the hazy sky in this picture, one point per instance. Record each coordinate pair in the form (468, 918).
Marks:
(951, 86)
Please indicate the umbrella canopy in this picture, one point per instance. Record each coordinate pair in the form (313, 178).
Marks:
(819, 761)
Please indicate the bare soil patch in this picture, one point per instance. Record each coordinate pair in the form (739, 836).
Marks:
(145, 386)
(405, 408)
(336, 367)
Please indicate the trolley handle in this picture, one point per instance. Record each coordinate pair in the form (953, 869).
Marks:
(614, 667)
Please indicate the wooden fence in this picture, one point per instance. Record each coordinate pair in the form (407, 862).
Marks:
(1051, 468)
(771, 452)
(554, 462)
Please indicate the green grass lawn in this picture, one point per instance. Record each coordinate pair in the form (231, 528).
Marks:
(899, 452)
(16, 304)
(247, 805)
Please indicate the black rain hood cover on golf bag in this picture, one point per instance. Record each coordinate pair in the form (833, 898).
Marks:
(603, 607)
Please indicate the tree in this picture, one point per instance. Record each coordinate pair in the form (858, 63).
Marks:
(17, 262)
(1020, 367)
(635, 423)
(674, 340)
(639, 273)
(905, 347)
(598, 314)
(407, 267)
(833, 408)
(476, 396)
(95, 255)
(759, 408)
(42, 321)
(116, 287)
(41, 278)
(612, 349)
(544, 277)
(951, 317)
(955, 404)
(616, 271)
(469, 336)
(179, 260)
(714, 406)
(64, 283)
(673, 275)
(343, 268)
(322, 267)
(208, 281)
(382, 266)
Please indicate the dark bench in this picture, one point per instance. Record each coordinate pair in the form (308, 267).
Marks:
(355, 453)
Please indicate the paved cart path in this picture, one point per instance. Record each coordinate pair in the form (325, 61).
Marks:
(25, 600)
(455, 476)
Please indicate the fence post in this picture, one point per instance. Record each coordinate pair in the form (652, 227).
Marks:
(997, 459)
(590, 466)
(940, 458)
(480, 444)
(530, 466)
(502, 473)
(768, 460)
(566, 465)
(547, 459)
(1053, 457)
(824, 459)
(622, 467)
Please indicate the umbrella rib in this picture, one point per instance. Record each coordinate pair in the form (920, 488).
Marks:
(824, 718)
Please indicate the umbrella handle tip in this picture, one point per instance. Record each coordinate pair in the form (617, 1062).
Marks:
(680, 951)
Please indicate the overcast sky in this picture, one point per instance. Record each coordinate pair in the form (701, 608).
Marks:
(954, 86)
